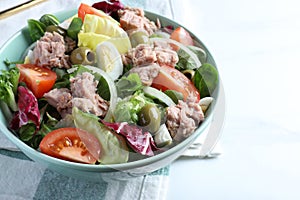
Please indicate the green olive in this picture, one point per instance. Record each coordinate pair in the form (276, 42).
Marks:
(189, 73)
(59, 30)
(139, 37)
(82, 55)
(149, 117)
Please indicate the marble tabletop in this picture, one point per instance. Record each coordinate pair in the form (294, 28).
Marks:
(256, 45)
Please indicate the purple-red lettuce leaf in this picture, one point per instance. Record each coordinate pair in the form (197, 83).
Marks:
(28, 110)
(139, 140)
(110, 7)
(168, 29)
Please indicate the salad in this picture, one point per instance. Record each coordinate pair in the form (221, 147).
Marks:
(106, 86)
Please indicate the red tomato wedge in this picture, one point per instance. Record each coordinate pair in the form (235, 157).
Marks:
(38, 79)
(182, 36)
(172, 79)
(71, 144)
(86, 9)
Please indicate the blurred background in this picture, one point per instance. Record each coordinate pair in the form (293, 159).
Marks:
(256, 46)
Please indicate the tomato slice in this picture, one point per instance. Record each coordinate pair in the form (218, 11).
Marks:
(38, 79)
(86, 9)
(71, 144)
(172, 79)
(182, 36)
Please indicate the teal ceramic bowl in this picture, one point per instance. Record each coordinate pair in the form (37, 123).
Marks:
(13, 50)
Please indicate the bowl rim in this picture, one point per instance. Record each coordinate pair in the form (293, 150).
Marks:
(111, 167)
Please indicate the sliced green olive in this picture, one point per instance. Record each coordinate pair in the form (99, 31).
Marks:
(189, 73)
(82, 55)
(57, 29)
(149, 117)
(139, 37)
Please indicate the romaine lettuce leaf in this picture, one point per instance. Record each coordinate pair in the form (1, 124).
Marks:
(114, 148)
(91, 40)
(98, 29)
(101, 25)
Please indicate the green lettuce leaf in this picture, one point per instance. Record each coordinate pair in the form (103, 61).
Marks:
(74, 28)
(174, 95)
(114, 147)
(49, 19)
(91, 40)
(98, 29)
(185, 61)
(36, 29)
(127, 109)
(128, 85)
(101, 25)
(206, 79)
(200, 53)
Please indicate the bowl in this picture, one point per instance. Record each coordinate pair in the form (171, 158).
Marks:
(20, 41)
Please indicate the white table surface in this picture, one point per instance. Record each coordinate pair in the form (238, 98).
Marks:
(256, 45)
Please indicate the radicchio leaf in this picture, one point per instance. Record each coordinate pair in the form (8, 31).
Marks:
(28, 109)
(139, 140)
(168, 29)
(110, 7)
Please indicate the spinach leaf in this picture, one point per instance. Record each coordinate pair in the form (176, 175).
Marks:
(32, 136)
(63, 78)
(174, 95)
(200, 53)
(81, 68)
(127, 68)
(60, 72)
(128, 85)
(36, 29)
(49, 19)
(185, 61)
(74, 28)
(206, 79)
(48, 125)
(27, 133)
(103, 89)
(8, 63)
(63, 81)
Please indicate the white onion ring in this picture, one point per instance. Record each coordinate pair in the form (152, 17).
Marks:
(159, 95)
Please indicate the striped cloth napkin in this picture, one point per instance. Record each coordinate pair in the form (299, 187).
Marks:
(21, 178)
